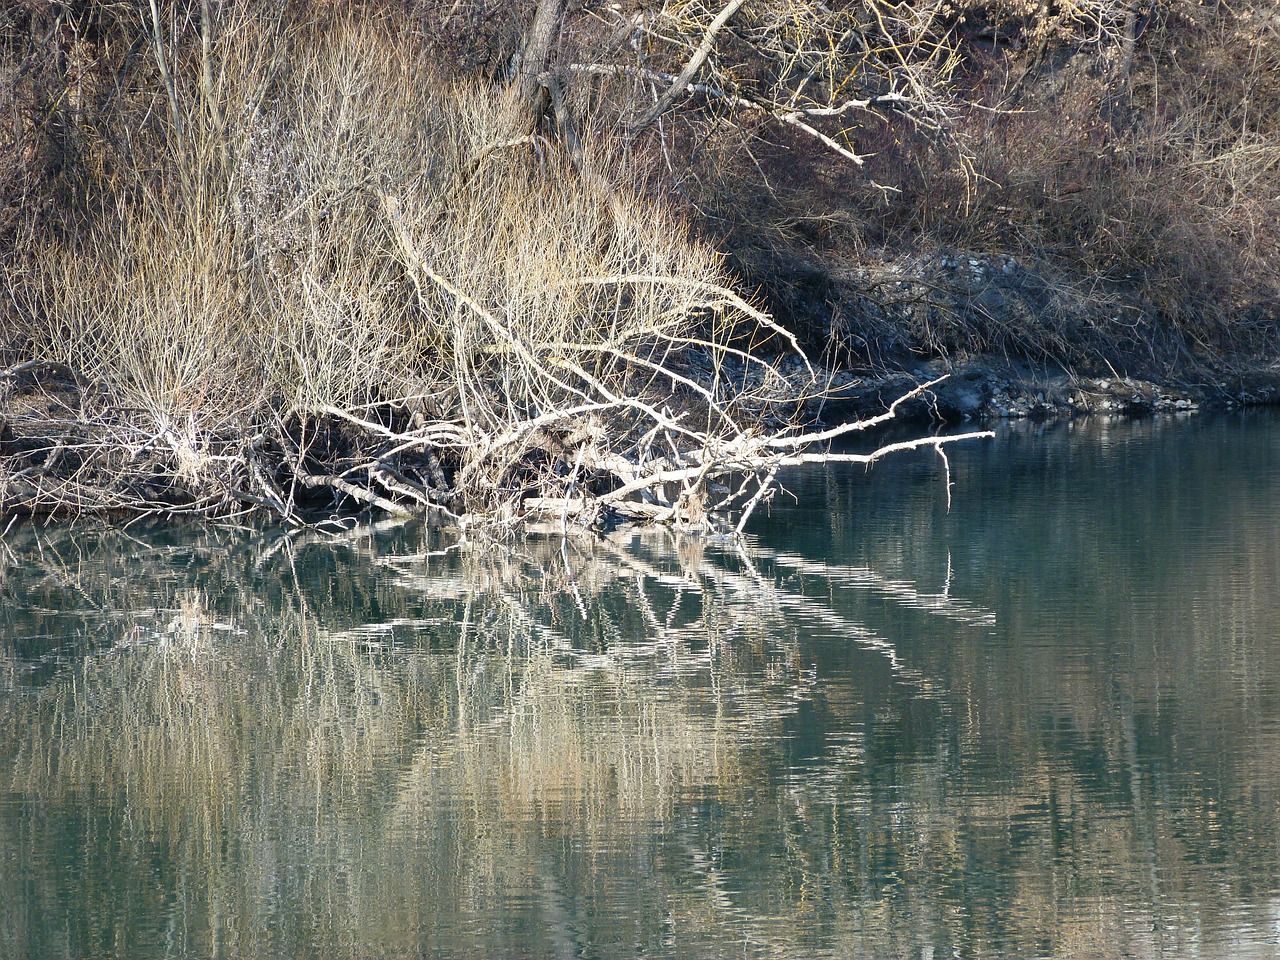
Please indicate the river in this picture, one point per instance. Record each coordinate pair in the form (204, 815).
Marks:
(1042, 721)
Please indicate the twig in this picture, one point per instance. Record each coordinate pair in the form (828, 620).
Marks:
(762, 491)
(728, 295)
(166, 76)
(946, 466)
(855, 426)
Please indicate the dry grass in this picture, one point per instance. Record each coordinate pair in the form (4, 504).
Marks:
(262, 253)
(1150, 189)
(356, 238)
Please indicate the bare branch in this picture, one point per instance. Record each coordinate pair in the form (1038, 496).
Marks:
(681, 82)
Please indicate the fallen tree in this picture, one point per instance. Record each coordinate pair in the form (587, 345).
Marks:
(604, 461)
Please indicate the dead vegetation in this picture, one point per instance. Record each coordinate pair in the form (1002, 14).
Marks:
(323, 277)
(1124, 154)
(470, 258)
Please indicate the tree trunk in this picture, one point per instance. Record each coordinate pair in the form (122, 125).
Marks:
(536, 56)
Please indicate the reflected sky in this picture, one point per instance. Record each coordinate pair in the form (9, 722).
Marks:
(1045, 722)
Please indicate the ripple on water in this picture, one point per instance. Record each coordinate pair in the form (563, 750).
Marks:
(1043, 723)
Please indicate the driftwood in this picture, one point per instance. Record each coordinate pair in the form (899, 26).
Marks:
(688, 461)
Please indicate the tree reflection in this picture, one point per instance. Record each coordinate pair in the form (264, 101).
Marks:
(227, 743)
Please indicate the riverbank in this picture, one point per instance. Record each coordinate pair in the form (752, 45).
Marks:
(605, 265)
(990, 390)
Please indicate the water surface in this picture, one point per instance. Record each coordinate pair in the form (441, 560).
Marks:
(1042, 723)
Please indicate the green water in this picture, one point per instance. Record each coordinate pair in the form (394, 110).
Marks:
(1045, 723)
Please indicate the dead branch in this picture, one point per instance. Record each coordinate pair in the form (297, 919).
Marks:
(681, 82)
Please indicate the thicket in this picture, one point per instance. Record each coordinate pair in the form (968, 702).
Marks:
(1143, 173)
(288, 263)
(501, 258)
(1125, 151)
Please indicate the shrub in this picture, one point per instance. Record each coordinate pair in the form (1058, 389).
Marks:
(308, 261)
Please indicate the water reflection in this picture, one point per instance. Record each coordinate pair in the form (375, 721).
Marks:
(1046, 723)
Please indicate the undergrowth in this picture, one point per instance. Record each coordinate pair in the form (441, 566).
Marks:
(312, 273)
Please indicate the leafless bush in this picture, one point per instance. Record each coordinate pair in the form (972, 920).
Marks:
(352, 281)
